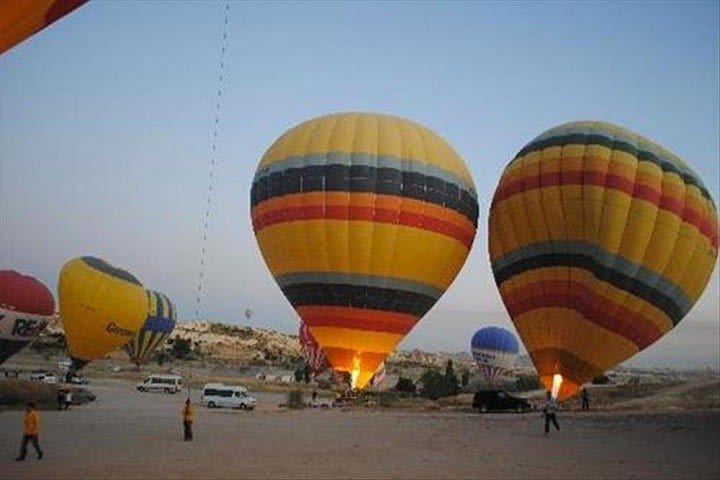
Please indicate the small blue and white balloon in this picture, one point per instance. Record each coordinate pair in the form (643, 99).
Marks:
(495, 350)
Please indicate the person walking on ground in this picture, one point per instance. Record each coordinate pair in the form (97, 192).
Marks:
(550, 412)
(68, 399)
(32, 428)
(585, 399)
(188, 417)
(61, 398)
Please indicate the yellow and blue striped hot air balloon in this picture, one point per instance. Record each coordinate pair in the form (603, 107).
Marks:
(101, 306)
(364, 220)
(160, 322)
(601, 241)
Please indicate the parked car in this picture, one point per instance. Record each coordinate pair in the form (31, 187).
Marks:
(43, 377)
(83, 395)
(75, 380)
(161, 383)
(218, 395)
(498, 400)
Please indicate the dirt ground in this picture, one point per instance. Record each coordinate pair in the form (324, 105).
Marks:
(126, 434)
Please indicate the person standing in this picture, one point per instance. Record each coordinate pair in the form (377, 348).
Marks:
(61, 398)
(188, 417)
(585, 399)
(68, 399)
(32, 429)
(550, 411)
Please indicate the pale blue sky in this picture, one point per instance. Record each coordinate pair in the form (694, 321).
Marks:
(105, 126)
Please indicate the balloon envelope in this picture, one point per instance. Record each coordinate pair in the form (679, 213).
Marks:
(102, 307)
(26, 307)
(600, 241)
(495, 350)
(364, 220)
(20, 19)
(160, 322)
(311, 351)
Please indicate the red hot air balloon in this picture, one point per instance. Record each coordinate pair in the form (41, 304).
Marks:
(26, 307)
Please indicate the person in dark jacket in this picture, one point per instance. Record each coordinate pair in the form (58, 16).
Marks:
(585, 397)
(550, 412)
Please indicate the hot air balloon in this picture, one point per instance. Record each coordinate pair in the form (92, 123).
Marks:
(311, 351)
(20, 19)
(364, 220)
(601, 241)
(26, 308)
(102, 307)
(495, 350)
(160, 322)
(248, 313)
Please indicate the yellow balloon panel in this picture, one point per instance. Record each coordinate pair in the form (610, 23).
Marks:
(101, 307)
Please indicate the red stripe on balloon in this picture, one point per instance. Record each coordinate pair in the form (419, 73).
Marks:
(357, 318)
(705, 223)
(334, 212)
(576, 296)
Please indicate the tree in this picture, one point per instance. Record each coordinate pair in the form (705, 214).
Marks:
(452, 387)
(307, 371)
(182, 348)
(298, 374)
(405, 385)
(433, 384)
(600, 380)
(465, 379)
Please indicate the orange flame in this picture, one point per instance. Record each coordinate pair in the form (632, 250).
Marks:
(557, 381)
(355, 373)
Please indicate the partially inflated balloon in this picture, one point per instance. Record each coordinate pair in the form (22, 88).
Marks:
(20, 19)
(601, 241)
(102, 307)
(311, 351)
(364, 220)
(160, 322)
(26, 307)
(495, 350)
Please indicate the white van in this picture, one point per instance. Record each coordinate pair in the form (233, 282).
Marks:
(231, 396)
(161, 383)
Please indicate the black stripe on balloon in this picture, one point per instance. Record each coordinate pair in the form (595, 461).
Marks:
(373, 298)
(613, 277)
(363, 178)
(615, 144)
(105, 267)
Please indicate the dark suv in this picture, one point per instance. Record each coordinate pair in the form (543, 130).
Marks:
(486, 400)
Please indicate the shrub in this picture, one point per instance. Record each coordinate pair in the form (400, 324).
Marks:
(294, 399)
(600, 380)
(405, 385)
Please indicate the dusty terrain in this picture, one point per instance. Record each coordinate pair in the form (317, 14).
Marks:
(125, 434)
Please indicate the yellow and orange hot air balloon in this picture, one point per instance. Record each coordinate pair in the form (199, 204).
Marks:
(20, 19)
(102, 307)
(601, 241)
(364, 220)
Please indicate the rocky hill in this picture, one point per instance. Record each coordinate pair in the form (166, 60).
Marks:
(224, 342)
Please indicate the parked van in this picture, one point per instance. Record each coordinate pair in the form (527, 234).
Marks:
(161, 383)
(230, 396)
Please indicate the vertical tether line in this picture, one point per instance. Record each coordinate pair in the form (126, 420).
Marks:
(213, 160)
